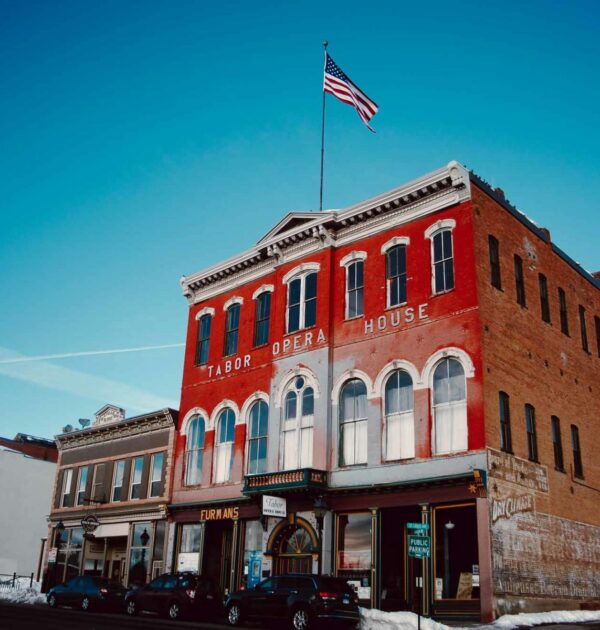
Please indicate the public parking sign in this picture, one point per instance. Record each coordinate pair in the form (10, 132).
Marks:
(419, 546)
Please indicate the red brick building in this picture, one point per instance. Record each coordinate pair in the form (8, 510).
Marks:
(426, 356)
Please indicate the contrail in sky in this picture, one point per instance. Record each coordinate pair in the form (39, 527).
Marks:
(67, 355)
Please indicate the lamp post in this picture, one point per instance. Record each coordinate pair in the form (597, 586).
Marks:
(320, 508)
(144, 539)
(448, 527)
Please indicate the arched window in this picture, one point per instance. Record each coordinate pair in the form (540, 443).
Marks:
(449, 407)
(302, 302)
(257, 437)
(353, 423)
(194, 451)
(224, 454)
(399, 416)
(297, 426)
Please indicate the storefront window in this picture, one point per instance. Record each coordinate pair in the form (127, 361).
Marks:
(353, 554)
(139, 559)
(68, 561)
(456, 564)
(253, 554)
(188, 558)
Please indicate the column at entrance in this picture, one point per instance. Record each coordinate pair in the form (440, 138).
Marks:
(375, 595)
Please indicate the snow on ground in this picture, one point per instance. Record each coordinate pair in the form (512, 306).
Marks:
(23, 594)
(379, 620)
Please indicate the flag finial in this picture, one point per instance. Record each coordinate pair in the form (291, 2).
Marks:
(325, 44)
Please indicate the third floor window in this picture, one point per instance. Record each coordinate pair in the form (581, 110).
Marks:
(532, 452)
(443, 262)
(396, 275)
(204, 325)
(494, 251)
(564, 315)
(232, 329)
(583, 327)
(302, 302)
(505, 434)
(520, 281)
(557, 444)
(544, 303)
(261, 319)
(355, 289)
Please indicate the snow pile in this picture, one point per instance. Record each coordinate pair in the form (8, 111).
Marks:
(23, 594)
(403, 620)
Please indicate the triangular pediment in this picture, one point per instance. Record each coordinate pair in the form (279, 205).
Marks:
(292, 222)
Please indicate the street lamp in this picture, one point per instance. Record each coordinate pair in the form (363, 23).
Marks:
(320, 508)
(144, 539)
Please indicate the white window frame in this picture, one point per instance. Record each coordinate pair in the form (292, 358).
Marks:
(407, 447)
(431, 232)
(355, 424)
(78, 490)
(452, 405)
(66, 486)
(132, 481)
(300, 273)
(249, 439)
(224, 450)
(346, 262)
(151, 478)
(195, 414)
(302, 427)
(114, 481)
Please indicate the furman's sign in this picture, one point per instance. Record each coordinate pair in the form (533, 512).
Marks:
(274, 506)
(219, 514)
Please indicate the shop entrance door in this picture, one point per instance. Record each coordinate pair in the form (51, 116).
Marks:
(293, 553)
(217, 552)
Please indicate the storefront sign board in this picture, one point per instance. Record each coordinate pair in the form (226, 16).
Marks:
(274, 506)
(419, 546)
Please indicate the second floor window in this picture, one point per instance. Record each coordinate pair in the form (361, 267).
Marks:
(395, 260)
(443, 262)
(449, 407)
(494, 251)
(505, 435)
(302, 302)
(224, 448)
(135, 490)
(81, 485)
(117, 487)
(557, 444)
(204, 325)
(232, 327)
(261, 319)
(544, 303)
(194, 451)
(297, 427)
(564, 315)
(156, 467)
(583, 327)
(257, 439)
(353, 423)
(577, 463)
(399, 417)
(65, 500)
(355, 289)
(520, 281)
(532, 452)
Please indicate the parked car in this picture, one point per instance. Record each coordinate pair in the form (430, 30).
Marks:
(303, 600)
(176, 595)
(87, 591)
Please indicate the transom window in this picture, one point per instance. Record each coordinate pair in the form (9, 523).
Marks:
(353, 423)
(449, 407)
(396, 275)
(297, 426)
(232, 326)
(399, 417)
(194, 451)
(225, 437)
(355, 289)
(261, 319)
(302, 302)
(443, 262)
(257, 440)
(204, 325)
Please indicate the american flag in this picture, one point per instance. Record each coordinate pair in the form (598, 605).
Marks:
(337, 83)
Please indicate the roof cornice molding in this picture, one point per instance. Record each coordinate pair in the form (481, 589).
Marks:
(444, 187)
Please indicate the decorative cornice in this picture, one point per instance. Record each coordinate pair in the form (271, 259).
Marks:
(397, 240)
(442, 188)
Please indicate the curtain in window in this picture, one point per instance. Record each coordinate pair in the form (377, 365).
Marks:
(307, 421)
(399, 416)
(225, 435)
(195, 451)
(353, 423)
(449, 407)
(257, 441)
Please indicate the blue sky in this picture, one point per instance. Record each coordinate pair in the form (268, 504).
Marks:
(146, 140)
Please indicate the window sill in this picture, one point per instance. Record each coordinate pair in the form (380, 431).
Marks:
(396, 306)
(507, 451)
(438, 293)
(497, 288)
(353, 466)
(262, 345)
(199, 365)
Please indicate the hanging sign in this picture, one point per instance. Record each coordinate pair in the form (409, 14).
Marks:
(274, 506)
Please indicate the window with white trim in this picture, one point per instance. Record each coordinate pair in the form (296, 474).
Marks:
(117, 486)
(232, 327)
(81, 484)
(355, 289)
(449, 407)
(442, 261)
(302, 302)
(257, 437)
(353, 423)
(261, 319)
(156, 467)
(194, 451)
(135, 487)
(297, 426)
(395, 262)
(399, 416)
(224, 447)
(204, 325)
(66, 488)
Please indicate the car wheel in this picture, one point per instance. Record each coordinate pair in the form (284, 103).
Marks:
(234, 615)
(174, 611)
(131, 608)
(85, 603)
(52, 601)
(300, 619)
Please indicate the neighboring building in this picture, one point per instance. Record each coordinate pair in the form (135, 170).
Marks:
(429, 356)
(27, 467)
(108, 515)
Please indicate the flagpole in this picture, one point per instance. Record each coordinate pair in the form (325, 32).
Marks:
(325, 43)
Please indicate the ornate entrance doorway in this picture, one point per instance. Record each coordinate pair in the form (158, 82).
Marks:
(293, 549)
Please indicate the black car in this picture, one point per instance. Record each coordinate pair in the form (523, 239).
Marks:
(176, 595)
(87, 591)
(303, 600)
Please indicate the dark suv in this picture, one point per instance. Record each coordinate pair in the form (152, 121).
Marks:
(176, 595)
(87, 591)
(304, 600)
